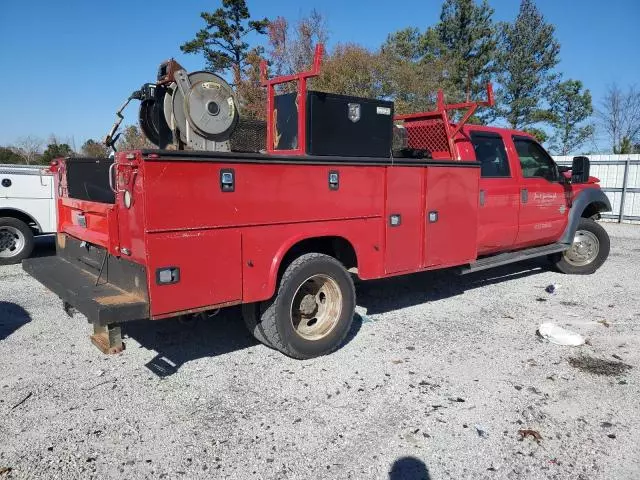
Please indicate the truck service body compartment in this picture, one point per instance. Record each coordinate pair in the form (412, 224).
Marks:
(341, 186)
(228, 241)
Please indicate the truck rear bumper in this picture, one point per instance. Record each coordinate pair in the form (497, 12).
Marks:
(102, 304)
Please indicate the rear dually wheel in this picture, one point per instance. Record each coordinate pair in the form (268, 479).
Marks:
(312, 311)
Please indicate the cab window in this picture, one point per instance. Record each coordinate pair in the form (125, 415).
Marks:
(491, 154)
(534, 160)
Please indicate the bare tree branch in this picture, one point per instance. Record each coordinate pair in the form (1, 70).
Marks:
(620, 117)
(28, 148)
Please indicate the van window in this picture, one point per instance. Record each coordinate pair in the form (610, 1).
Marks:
(491, 154)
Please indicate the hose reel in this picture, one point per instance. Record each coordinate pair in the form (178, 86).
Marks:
(195, 111)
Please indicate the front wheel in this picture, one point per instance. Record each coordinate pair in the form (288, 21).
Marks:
(16, 240)
(589, 250)
(313, 309)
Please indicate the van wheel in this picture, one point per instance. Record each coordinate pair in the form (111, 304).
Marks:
(16, 241)
(313, 309)
(589, 250)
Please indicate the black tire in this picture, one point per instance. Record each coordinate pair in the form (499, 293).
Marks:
(563, 261)
(251, 317)
(276, 323)
(23, 238)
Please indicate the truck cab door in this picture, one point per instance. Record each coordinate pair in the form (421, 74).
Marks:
(544, 203)
(498, 204)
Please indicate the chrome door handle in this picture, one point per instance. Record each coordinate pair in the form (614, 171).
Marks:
(524, 195)
(111, 178)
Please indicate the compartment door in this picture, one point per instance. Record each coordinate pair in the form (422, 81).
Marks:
(403, 219)
(451, 215)
(208, 264)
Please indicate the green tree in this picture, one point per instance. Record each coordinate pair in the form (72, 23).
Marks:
(412, 70)
(223, 40)
(351, 70)
(7, 155)
(466, 35)
(624, 147)
(540, 135)
(251, 94)
(570, 107)
(527, 55)
(94, 149)
(55, 150)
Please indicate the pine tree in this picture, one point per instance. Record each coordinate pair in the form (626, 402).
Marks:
(468, 37)
(527, 55)
(223, 40)
(569, 107)
(55, 150)
(413, 69)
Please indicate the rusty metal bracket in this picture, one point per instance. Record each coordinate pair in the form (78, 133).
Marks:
(301, 79)
(108, 338)
(167, 71)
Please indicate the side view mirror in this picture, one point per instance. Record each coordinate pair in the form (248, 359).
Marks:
(580, 170)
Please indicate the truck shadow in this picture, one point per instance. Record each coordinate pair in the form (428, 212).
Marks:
(12, 317)
(381, 296)
(178, 341)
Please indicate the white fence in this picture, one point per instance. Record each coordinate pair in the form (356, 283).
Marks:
(620, 179)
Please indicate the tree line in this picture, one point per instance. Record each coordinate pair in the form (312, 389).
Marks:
(464, 51)
(33, 150)
(460, 54)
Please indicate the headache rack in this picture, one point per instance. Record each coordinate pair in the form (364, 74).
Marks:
(434, 132)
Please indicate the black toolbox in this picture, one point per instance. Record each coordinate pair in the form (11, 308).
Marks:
(338, 125)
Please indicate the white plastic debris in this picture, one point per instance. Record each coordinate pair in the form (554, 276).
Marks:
(560, 336)
(482, 432)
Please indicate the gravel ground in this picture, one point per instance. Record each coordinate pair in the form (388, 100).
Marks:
(438, 377)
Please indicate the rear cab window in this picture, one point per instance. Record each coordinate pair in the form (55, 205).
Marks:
(492, 155)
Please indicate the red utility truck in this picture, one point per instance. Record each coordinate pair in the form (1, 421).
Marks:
(154, 234)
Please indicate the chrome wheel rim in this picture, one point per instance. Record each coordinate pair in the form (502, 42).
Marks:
(316, 307)
(11, 241)
(583, 250)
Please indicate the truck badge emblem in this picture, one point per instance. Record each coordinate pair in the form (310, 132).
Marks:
(562, 209)
(354, 112)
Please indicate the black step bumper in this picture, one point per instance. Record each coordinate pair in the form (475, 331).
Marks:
(102, 304)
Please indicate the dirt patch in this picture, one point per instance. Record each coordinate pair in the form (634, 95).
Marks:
(599, 366)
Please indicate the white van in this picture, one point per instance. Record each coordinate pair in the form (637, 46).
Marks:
(27, 208)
